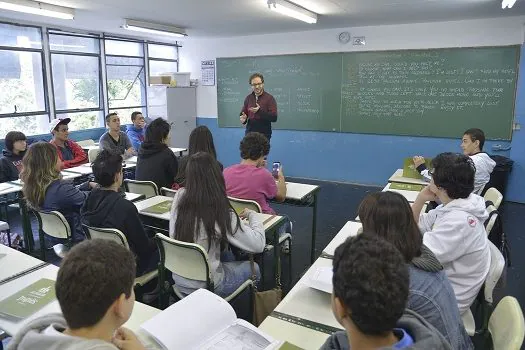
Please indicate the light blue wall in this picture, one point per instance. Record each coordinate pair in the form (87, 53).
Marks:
(366, 159)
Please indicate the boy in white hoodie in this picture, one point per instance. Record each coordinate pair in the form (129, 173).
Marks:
(472, 146)
(454, 231)
(95, 290)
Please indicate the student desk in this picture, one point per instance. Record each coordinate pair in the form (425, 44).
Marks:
(398, 177)
(16, 263)
(271, 222)
(87, 148)
(134, 197)
(178, 150)
(84, 169)
(304, 195)
(140, 314)
(350, 229)
(304, 317)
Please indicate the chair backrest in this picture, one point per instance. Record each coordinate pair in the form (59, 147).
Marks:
(84, 143)
(147, 188)
(187, 260)
(53, 224)
(492, 218)
(494, 196)
(92, 154)
(497, 264)
(239, 204)
(168, 192)
(106, 233)
(506, 325)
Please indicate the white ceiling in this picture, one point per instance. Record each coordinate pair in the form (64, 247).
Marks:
(221, 18)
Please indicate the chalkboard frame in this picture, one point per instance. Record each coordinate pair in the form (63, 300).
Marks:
(342, 55)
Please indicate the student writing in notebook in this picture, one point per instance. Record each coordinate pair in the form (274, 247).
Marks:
(201, 214)
(389, 215)
(472, 146)
(94, 288)
(370, 291)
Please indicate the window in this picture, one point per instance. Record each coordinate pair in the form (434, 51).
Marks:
(162, 59)
(125, 76)
(23, 99)
(75, 68)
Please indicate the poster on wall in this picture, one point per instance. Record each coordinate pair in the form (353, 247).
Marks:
(208, 72)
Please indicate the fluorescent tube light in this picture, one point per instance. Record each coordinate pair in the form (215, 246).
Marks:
(291, 10)
(38, 8)
(154, 28)
(507, 3)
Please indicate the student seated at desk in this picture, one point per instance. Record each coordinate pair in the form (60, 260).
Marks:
(156, 161)
(105, 207)
(370, 291)
(454, 231)
(11, 161)
(201, 214)
(70, 153)
(136, 131)
(388, 214)
(472, 146)
(201, 140)
(45, 190)
(251, 180)
(94, 288)
(115, 140)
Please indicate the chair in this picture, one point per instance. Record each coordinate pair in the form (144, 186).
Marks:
(497, 264)
(84, 143)
(168, 192)
(506, 325)
(54, 224)
(492, 219)
(494, 196)
(239, 205)
(147, 188)
(92, 154)
(117, 236)
(190, 261)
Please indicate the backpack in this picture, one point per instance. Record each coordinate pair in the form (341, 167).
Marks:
(496, 234)
(500, 175)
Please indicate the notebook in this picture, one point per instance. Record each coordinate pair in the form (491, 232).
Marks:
(29, 300)
(409, 169)
(159, 208)
(405, 187)
(204, 320)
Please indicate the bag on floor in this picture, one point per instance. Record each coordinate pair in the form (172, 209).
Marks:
(15, 238)
(496, 235)
(265, 302)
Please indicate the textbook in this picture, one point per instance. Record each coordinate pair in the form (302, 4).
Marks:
(409, 169)
(405, 187)
(29, 300)
(204, 320)
(159, 208)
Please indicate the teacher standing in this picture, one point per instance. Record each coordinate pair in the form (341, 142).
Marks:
(260, 109)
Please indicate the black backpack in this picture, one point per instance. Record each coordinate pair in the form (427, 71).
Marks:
(496, 235)
(500, 175)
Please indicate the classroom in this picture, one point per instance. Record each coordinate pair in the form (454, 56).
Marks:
(323, 136)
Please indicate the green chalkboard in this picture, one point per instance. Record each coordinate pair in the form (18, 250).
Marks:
(435, 92)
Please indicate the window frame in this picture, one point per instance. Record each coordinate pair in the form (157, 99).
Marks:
(51, 31)
(176, 45)
(146, 78)
(46, 110)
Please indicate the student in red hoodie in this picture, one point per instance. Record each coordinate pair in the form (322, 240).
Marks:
(69, 152)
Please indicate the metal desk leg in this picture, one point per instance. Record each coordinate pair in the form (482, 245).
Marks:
(276, 252)
(314, 228)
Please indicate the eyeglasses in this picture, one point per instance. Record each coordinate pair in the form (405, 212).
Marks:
(258, 84)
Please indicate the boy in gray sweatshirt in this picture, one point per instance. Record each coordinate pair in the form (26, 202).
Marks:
(94, 288)
(370, 291)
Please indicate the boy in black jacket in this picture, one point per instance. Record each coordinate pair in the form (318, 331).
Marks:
(106, 208)
(11, 162)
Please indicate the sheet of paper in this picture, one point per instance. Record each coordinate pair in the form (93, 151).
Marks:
(321, 279)
(239, 336)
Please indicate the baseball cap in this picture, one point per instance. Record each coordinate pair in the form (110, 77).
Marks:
(56, 122)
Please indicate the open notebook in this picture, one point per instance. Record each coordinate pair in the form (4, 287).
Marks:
(204, 320)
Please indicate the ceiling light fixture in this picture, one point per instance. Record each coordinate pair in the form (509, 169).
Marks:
(507, 3)
(154, 28)
(38, 8)
(291, 10)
